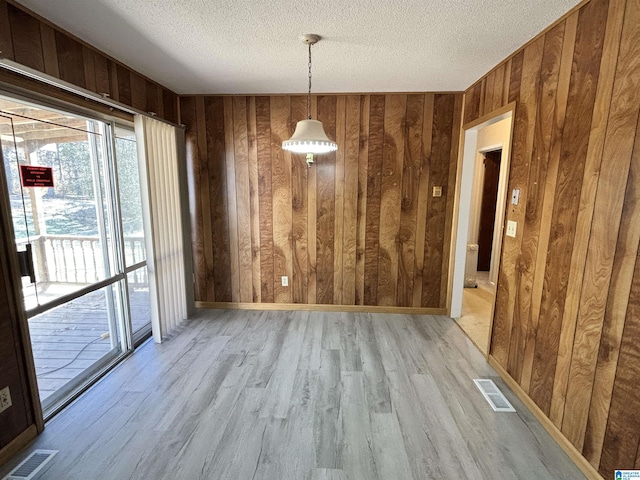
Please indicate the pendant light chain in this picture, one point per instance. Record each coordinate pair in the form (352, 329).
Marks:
(309, 94)
(309, 136)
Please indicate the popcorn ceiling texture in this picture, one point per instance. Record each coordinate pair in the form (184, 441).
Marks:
(253, 46)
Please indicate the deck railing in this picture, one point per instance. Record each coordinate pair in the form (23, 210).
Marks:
(75, 259)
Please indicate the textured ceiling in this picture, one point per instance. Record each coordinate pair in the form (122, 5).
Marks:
(253, 46)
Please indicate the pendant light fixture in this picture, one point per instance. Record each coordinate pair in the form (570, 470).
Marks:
(309, 136)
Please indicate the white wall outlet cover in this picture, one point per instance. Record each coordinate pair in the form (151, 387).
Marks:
(511, 228)
(285, 281)
(437, 191)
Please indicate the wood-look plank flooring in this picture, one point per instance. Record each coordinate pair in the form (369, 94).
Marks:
(300, 395)
(477, 304)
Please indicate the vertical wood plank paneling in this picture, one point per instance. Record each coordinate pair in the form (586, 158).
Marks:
(101, 70)
(300, 210)
(25, 33)
(391, 197)
(324, 226)
(561, 95)
(622, 437)
(588, 191)
(412, 163)
(623, 118)
(363, 155)
(89, 68)
(204, 182)
(490, 81)
(6, 44)
(338, 248)
(113, 79)
(312, 215)
(549, 74)
(169, 104)
(325, 205)
(281, 193)
(449, 192)
(194, 160)
(263, 126)
(232, 198)
(516, 76)
(151, 100)
(70, 60)
(252, 139)
(558, 281)
(472, 103)
(351, 183)
(626, 252)
(444, 106)
(374, 185)
(508, 331)
(216, 195)
(483, 94)
(522, 151)
(49, 51)
(507, 81)
(138, 92)
(243, 197)
(124, 84)
(498, 88)
(423, 197)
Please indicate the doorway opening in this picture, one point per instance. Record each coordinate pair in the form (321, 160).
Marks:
(481, 211)
(73, 190)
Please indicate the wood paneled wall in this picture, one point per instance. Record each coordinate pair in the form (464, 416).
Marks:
(360, 227)
(35, 43)
(567, 318)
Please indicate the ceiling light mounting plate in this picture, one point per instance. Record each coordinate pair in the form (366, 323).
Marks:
(310, 39)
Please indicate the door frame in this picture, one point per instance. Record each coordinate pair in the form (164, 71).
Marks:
(463, 200)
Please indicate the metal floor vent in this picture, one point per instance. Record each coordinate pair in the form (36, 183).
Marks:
(31, 465)
(493, 395)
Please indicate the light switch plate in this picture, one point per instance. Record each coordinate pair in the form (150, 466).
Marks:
(511, 228)
(285, 281)
(437, 191)
(515, 196)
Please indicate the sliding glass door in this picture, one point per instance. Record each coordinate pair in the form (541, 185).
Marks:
(74, 192)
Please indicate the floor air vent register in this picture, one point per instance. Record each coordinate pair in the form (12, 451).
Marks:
(31, 465)
(493, 395)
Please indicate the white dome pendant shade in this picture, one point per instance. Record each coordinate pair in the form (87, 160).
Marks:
(309, 136)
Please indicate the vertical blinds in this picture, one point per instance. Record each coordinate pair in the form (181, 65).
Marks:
(157, 144)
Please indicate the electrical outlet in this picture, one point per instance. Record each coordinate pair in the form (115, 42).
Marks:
(285, 281)
(5, 399)
(511, 228)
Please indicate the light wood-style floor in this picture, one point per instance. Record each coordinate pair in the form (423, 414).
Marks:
(476, 311)
(300, 395)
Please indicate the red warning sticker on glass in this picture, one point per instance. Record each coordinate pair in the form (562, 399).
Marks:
(36, 176)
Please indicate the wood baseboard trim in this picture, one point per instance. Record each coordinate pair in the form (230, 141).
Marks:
(322, 308)
(13, 448)
(582, 463)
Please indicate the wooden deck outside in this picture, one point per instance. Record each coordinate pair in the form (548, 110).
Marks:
(71, 338)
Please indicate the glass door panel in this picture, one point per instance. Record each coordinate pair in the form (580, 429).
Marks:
(64, 224)
(130, 196)
(78, 301)
(73, 341)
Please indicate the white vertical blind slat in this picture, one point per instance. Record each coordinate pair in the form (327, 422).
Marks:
(163, 227)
